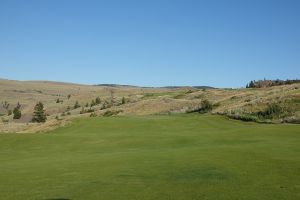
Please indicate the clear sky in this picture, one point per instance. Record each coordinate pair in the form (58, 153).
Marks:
(150, 43)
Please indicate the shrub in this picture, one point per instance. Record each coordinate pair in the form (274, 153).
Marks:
(5, 104)
(244, 117)
(216, 105)
(292, 120)
(82, 110)
(76, 105)
(93, 103)
(273, 110)
(93, 115)
(9, 112)
(179, 96)
(206, 106)
(86, 111)
(4, 120)
(111, 113)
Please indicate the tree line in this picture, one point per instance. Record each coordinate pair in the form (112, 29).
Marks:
(270, 83)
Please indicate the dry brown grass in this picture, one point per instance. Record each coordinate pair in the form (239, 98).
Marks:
(140, 101)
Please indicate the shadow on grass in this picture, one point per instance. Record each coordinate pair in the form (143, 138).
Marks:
(57, 199)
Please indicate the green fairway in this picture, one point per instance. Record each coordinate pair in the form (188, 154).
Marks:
(155, 157)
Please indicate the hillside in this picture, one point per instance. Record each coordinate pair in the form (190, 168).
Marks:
(59, 100)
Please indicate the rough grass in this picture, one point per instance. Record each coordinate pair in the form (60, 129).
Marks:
(156, 157)
(140, 101)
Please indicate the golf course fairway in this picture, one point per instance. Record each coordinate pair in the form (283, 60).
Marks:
(176, 157)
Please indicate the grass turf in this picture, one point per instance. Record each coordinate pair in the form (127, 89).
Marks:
(155, 157)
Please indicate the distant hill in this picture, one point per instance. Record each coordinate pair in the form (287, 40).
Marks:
(167, 87)
(59, 100)
(115, 85)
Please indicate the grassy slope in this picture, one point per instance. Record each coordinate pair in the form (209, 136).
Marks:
(154, 157)
(141, 101)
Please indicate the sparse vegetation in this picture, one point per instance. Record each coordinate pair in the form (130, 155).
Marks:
(5, 105)
(58, 100)
(93, 103)
(154, 101)
(4, 120)
(86, 110)
(273, 110)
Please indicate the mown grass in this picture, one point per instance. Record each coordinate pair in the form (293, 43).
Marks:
(187, 156)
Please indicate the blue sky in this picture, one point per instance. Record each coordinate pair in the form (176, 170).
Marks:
(150, 43)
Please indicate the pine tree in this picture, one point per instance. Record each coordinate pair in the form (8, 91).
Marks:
(17, 112)
(98, 101)
(39, 113)
(251, 84)
(123, 100)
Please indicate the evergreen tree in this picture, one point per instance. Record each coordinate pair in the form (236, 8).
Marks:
(17, 112)
(251, 84)
(123, 100)
(39, 113)
(98, 101)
